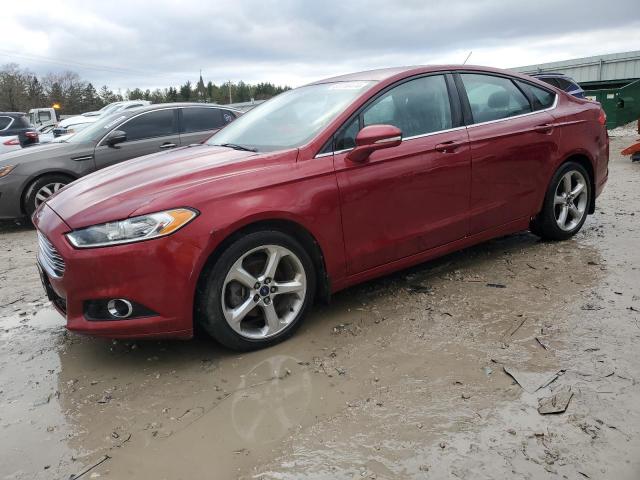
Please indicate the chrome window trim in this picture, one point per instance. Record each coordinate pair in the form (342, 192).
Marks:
(413, 137)
(553, 106)
(11, 120)
(127, 120)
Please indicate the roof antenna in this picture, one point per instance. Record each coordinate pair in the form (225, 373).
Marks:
(465, 60)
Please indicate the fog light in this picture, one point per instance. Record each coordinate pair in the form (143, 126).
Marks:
(115, 309)
(119, 308)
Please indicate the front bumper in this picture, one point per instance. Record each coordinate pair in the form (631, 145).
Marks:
(158, 274)
(11, 188)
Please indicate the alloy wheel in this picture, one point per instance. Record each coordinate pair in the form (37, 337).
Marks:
(46, 191)
(570, 200)
(263, 291)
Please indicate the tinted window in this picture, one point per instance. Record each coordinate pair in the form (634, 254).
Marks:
(4, 122)
(227, 116)
(346, 137)
(493, 98)
(541, 98)
(550, 81)
(201, 119)
(149, 125)
(565, 85)
(416, 107)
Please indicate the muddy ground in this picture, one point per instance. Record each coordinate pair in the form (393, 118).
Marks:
(402, 377)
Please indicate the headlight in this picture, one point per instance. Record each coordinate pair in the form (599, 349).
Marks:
(6, 169)
(133, 229)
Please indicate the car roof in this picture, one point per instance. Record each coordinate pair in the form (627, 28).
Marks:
(386, 74)
(161, 106)
(13, 113)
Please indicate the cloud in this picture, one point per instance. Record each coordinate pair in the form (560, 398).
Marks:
(127, 43)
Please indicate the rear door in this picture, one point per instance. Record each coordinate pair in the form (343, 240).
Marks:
(148, 132)
(199, 123)
(512, 138)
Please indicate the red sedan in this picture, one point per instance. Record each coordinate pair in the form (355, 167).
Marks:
(322, 187)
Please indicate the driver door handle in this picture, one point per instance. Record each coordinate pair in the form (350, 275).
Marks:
(544, 128)
(168, 145)
(448, 147)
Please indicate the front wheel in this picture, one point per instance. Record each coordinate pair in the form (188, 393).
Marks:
(257, 292)
(566, 204)
(41, 189)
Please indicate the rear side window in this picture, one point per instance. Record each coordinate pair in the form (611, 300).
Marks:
(150, 125)
(4, 122)
(566, 85)
(540, 97)
(227, 116)
(493, 98)
(201, 119)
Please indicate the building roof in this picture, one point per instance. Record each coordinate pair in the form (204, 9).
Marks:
(598, 68)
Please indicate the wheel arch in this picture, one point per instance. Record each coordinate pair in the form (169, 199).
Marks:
(35, 178)
(290, 227)
(583, 159)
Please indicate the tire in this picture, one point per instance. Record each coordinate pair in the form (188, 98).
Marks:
(224, 289)
(551, 223)
(41, 189)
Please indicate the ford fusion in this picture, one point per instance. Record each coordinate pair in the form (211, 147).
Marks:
(320, 188)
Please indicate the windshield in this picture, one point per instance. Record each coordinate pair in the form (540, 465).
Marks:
(96, 130)
(291, 119)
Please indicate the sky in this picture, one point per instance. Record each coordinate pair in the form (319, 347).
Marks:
(128, 44)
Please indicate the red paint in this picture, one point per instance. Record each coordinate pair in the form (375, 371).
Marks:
(402, 205)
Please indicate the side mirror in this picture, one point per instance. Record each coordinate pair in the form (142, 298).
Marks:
(116, 137)
(372, 138)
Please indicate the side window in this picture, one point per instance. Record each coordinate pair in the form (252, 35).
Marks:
(4, 122)
(416, 107)
(346, 138)
(150, 125)
(201, 119)
(493, 98)
(541, 98)
(44, 116)
(227, 116)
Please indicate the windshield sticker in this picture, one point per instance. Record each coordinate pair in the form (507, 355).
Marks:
(111, 124)
(348, 86)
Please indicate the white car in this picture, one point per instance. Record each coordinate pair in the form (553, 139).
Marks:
(72, 124)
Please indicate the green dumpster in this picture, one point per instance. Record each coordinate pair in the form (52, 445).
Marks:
(622, 105)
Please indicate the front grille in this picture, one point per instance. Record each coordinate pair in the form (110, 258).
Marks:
(49, 257)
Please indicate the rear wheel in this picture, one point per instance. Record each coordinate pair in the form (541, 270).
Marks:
(566, 203)
(258, 291)
(41, 189)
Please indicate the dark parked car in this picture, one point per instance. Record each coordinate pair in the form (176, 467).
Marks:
(563, 82)
(30, 176)
(17, 123)
(317, 189)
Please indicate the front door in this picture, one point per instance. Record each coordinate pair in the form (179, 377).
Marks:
(407, 199)
(149, 132)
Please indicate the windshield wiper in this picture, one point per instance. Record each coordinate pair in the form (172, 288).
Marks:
(237, 147)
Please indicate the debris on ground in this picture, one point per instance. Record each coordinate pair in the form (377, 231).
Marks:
(556, 403)
(531, 381)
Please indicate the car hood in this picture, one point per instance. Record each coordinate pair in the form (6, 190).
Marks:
(153, 182)
(35, 152)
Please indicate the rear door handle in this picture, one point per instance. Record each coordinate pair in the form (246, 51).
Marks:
(168, 145)
(448, 147)
(544, 128)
